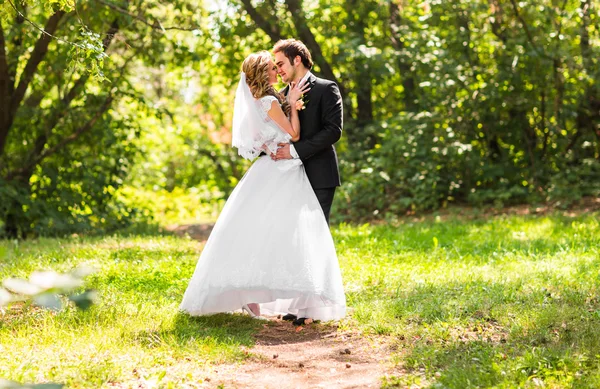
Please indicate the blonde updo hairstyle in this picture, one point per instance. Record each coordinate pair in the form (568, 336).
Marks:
(256, 67)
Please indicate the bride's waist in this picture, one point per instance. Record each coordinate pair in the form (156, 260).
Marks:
(289, 161)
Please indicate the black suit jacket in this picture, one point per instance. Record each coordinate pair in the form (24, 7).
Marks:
(320, 127)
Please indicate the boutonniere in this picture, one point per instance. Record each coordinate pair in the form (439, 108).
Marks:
(301, 103)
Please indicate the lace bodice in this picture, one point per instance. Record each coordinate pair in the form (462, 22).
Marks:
(265, 104)
(252, 131)
(270, 134)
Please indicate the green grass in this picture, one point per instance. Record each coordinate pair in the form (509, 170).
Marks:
(134, 332)
(504, 302)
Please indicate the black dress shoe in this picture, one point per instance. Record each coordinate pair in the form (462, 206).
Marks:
(289, 317)
(300, 321)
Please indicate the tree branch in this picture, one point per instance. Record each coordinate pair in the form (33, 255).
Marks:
(306, 35)
(4, 79)
(271, 29)
(408, 80)
(76, 134)
(46, 152)
(588, 111)
(527, 32)
(40, 29)
(362, 76)
(37, 55)
(17, 42)
(157, 25)
(63, 105)
(585, 34)
(496, 20)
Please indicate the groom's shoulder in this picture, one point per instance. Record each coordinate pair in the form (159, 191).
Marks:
(324, 81)
(325, 85)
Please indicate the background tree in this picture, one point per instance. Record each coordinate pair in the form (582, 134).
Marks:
(120, 111)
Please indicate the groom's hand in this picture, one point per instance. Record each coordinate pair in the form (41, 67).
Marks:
(283, 152)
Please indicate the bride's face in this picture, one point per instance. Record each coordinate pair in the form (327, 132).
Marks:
(272, 73)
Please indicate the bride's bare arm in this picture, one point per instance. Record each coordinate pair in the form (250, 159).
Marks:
(291, 126)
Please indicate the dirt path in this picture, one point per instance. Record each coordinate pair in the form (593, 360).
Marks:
(311, 356)
(316, 356)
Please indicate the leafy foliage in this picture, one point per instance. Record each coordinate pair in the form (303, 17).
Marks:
(69, 140)
(470, 101)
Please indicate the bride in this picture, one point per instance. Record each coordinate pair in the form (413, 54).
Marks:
(270, 251)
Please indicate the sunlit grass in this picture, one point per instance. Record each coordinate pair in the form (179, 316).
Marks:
(504, 302)
(134, 332)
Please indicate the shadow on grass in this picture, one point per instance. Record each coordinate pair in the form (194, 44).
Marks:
(220, 330)
(225, 330)
(485, 334)
(281, 332)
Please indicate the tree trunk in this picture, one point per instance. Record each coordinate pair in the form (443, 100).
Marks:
(588, 112)
(364, 87)
(411, 102)
(271, 29)
(13, 100)
(307, 37)
(5, 90)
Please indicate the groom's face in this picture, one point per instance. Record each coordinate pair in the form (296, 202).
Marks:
(286, 70)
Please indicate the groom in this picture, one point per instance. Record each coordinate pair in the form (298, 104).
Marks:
(320, 121)
(320, 125)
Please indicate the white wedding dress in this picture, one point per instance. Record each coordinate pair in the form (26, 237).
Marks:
(270, 245)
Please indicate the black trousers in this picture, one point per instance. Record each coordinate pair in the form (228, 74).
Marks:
(325, 197)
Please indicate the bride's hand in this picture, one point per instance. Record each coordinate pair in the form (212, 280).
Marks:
(297, 90)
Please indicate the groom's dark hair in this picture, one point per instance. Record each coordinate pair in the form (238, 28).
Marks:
(292, 48)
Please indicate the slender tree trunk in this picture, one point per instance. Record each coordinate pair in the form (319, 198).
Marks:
(14, 100)
(364, 87)
(60, 110)
(5, 90)
(411, 102)
(271, 29)
(308, 38)
(304, 34)
(588, 112)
